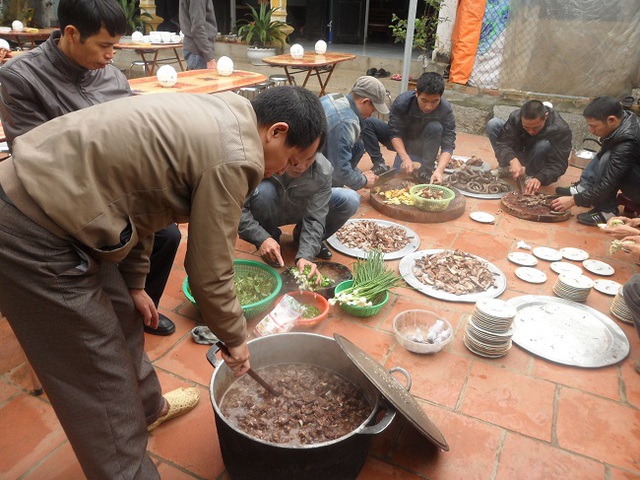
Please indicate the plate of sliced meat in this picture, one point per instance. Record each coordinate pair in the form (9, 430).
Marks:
(452, 275)
(357, 237)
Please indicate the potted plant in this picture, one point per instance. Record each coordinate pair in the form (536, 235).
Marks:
(424, 35)
(261, 34)
(137, 18)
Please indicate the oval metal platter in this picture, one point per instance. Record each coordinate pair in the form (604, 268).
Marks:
(567, 332)
(408, 263)
(412, 246)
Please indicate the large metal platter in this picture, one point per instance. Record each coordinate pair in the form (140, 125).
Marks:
(412, 246)
(406, 270)
(567, 332)
(484, 196)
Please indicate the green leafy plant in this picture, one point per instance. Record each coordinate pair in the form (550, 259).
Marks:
(259, 30)
(137, 18)
(424, 35)
(17, 10)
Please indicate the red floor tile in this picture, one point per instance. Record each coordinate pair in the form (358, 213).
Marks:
(599, 428)
(523, 457)
(511, 400)
(30, 433)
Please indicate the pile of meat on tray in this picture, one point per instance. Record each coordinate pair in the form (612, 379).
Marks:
(369, 235)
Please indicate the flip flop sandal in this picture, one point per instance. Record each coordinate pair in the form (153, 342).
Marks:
(180, 401)
(202, 335)
(372, 72)
(397, 77)
(382, 73)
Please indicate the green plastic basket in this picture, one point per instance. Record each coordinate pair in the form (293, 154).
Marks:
(428, 204)
(358, 311)
(243, 268)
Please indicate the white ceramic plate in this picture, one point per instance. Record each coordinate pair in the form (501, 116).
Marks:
(566, 267)
(482, 217)
(523, 259)
(531, 275)
(608, 287)
(575, 254)
(547, 253)
(598, 267)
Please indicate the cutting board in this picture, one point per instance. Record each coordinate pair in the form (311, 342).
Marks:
(514, 204)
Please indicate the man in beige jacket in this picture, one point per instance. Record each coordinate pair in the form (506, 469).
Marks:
(79, 202)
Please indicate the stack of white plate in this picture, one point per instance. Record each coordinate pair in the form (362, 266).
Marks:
(619, 308)
(573, 287)
(489, 328)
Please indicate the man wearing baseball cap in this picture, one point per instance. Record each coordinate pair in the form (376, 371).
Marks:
(345, 120)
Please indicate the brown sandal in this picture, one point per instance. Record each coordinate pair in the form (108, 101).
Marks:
(180, 401)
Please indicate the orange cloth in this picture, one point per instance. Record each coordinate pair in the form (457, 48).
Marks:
(465, 38)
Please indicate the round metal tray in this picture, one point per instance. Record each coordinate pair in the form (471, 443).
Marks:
(484, 196)
(407, 265)
(567, 332)
(412, 246)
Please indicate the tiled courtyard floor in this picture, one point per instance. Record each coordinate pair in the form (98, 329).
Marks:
(517, 417)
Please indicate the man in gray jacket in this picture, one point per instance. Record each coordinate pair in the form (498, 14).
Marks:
(80, 200)
(199, 26)
(70, 71)
(302, 196)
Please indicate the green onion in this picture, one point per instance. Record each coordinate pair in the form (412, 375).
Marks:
(371, 279)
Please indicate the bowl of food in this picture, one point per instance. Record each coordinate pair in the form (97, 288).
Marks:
(316, 308)
(432, 198)
(362, 310)
(333, 273)
(257, 285)
(422, 331)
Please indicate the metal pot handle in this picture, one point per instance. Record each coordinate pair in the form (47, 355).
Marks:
(589, 139)
(212, 357)
(405, 374)
(379, 427)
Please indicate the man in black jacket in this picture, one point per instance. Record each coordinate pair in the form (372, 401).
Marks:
(535, 141)
(421, 125)
(615, 167)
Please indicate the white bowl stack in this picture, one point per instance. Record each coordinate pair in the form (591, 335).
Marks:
(573, 287)
(489, 328)
(619, 308)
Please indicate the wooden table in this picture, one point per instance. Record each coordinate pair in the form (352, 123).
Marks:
(311, 64)
(146, 49)
(22, 38)
(197, 81)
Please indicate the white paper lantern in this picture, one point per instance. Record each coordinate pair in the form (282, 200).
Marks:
(296, 51)
(167, 76)
(17, 25)
(321, 47)
(224, 66)
(136, 37)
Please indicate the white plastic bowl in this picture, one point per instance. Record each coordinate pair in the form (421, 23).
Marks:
(412, 325)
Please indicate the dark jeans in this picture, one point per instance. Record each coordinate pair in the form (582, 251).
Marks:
(590, 177)
(267, 209)
(631, 292)
(533, 160)
(165, 246)
(422, 149)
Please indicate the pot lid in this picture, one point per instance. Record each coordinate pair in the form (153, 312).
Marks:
(395, 393)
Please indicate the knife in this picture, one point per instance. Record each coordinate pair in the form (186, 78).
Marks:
(520, 184)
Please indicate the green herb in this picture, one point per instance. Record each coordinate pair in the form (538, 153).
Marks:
(310, 312)
(371, 279)
(253, 288)
(309, 284)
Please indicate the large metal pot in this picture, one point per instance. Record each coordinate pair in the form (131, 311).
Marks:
(249, 458)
